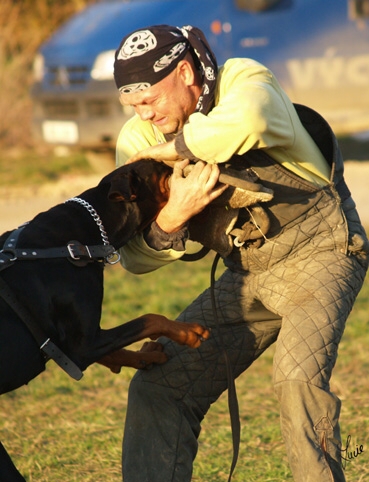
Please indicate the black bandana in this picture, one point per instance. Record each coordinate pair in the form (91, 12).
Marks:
(148, 55)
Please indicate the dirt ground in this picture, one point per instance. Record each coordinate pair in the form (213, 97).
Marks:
(18, 205)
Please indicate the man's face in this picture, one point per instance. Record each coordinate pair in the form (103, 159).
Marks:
(167, 104)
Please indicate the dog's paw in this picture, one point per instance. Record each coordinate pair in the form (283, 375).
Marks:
(150, 353)
(192, 334)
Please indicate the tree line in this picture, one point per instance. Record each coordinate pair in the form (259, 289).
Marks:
(24, 25)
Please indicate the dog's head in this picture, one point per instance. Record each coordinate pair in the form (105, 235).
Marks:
(144, 179)
(143, 188)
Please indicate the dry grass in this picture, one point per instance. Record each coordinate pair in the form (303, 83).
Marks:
(57, 429)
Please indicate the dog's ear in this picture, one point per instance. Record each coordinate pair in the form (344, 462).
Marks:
(124, 188)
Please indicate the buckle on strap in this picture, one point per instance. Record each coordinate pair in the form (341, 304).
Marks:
(81, 254)
(77, 250)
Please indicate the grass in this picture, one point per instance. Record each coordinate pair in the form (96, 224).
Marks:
(57, 429)
(32, 168)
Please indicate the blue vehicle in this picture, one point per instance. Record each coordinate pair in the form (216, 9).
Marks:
(319, 51)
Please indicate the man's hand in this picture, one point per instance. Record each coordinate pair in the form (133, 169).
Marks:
(165, 152)
(189, 195)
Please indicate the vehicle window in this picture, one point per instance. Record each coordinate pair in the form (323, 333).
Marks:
(255, 5)
(359, 8)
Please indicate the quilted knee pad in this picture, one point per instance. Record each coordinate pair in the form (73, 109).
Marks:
(314, 298)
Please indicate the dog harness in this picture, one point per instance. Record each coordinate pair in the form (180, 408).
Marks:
(78, 254)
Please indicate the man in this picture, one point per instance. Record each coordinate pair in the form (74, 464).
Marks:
(295, 285)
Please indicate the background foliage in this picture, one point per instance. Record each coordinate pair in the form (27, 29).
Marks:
(24, 25)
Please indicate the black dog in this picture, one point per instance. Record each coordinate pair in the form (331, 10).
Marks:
(51, 284)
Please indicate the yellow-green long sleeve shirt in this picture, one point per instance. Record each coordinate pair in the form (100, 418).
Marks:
(251, 111)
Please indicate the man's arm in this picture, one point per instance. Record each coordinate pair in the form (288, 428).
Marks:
(165, 152)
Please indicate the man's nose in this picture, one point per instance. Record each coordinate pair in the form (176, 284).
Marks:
(145, 112)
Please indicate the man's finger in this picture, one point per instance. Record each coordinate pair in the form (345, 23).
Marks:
(178, 167)
(217, 191)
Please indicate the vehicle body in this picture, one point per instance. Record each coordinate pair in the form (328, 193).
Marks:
(319, 51)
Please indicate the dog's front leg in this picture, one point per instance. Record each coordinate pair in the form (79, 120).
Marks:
(150, 353)
(191, 334)
(147, 326)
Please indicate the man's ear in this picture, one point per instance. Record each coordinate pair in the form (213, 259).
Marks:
(123, 188)
(186, 72)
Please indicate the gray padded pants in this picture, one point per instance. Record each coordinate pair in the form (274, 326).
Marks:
(297, 290)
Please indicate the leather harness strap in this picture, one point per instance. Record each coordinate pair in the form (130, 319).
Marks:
(75, 252)
(8, 256)
(78, 254)
(232, 393)
(46, 345)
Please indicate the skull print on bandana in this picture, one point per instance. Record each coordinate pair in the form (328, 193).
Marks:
(170, 57)
(148, 55)
(139, 43)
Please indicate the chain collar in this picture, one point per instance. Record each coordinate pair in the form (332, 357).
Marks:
(113, 258)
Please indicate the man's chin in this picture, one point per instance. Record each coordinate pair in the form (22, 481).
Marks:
(167, 129)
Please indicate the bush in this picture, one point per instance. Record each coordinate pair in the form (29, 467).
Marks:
(24, 25)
